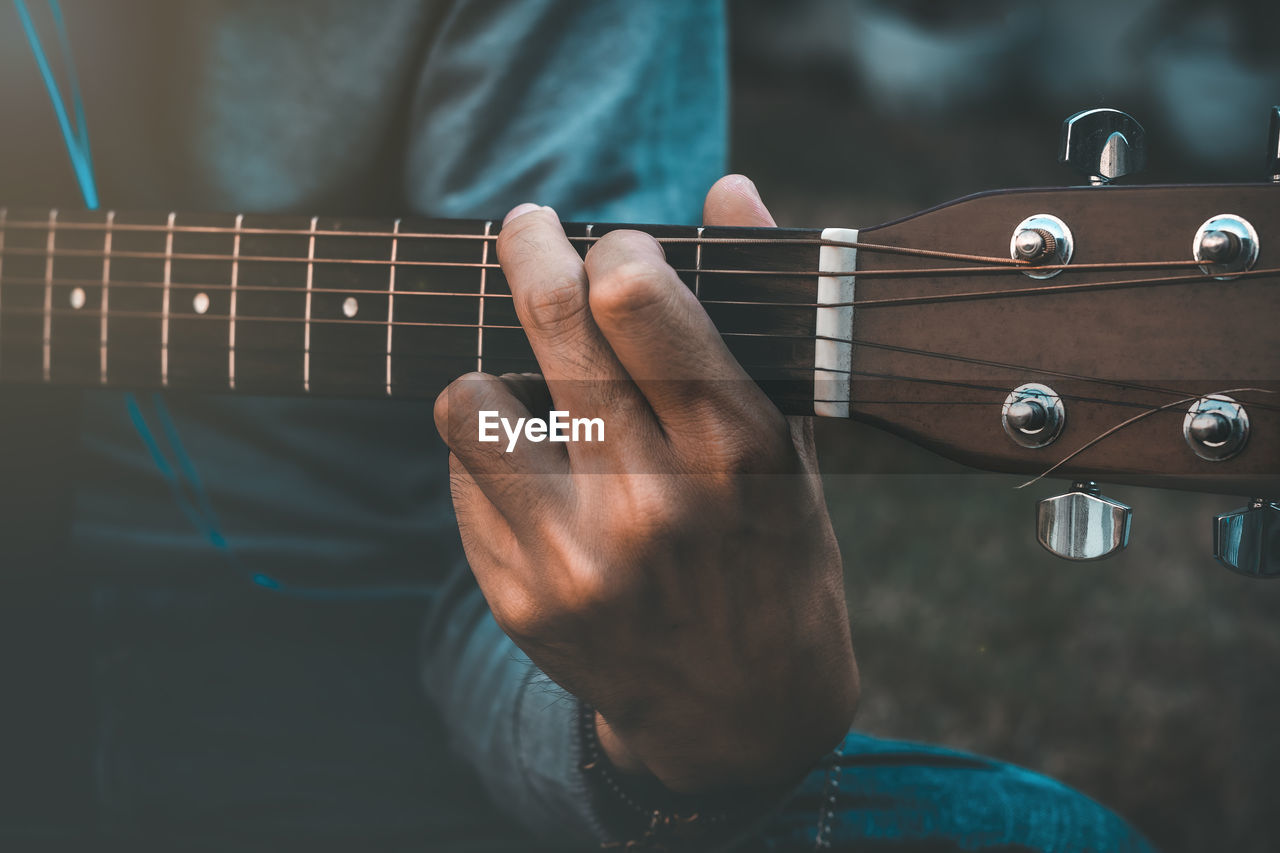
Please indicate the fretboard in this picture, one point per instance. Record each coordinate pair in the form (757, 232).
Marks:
(285, 305)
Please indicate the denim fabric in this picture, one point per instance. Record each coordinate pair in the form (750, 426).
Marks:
(881, 795)
(224, 717)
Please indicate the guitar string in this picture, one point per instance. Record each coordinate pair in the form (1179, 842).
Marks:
(42, 282)
(1039, 290)
(945, 297)
(1107, 433)
(1056, 289)
(89, 313)
(1008, 266)
(744, 240)
(1117, 383)
(806, 370)
(1004, 264)
(525, 363)
(1005, 267)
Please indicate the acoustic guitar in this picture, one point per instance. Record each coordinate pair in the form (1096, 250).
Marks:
(1117, 333)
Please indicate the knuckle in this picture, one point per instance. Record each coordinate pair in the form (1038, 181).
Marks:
(654, 514)
(744, 454)
(751, 445)
(461, 398)
(551, 306)
(517, 613)
(630, 289)
(589, 593)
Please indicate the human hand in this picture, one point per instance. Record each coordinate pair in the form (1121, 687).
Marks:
(682, 577)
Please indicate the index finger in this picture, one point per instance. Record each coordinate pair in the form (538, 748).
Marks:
(549, 288)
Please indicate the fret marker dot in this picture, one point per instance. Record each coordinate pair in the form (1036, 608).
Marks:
(350, 306)
(77, 298)
(200, 303)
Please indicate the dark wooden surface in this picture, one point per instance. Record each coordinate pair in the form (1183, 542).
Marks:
(438, 286)
(1199, 337)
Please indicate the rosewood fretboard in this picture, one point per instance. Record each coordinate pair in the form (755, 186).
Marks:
(269, 304)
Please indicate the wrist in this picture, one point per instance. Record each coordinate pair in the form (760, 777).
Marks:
(639, 810)
(623, 759)
(762, 739)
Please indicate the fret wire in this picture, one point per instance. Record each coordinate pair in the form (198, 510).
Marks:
(104, 302)
(48, 294)
(231, 310)
(164, 319)
(484, 259)
(391, 298)
(306, 329)
(697, 266)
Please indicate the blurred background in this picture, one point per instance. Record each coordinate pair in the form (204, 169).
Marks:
(1151, 681)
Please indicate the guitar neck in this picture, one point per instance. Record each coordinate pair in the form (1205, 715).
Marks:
(1128, 335)
(282, 305)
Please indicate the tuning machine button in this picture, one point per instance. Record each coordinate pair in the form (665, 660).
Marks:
(1033, 415)
(1247, 540)
(1225, 246)
(1042, 240)
(1216, 427)
(1103, 144)
(1082, 524)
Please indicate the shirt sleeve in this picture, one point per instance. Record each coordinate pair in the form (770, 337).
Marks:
(607, 112)
(510, 721)
(533, 746)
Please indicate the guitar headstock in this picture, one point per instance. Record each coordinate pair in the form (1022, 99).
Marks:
(1114, 333)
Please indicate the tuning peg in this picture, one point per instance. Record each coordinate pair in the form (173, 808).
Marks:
(1273, 145)
(1082, 524)
(1103, 144)
(1247, 540)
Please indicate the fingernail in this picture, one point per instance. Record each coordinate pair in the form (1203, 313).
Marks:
(519, 210)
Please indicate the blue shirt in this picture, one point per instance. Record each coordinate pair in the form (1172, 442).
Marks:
(607, 111)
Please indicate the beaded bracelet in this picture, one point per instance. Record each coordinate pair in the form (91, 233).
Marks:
(655, 818)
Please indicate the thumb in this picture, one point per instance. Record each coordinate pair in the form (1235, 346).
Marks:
(734, 200)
